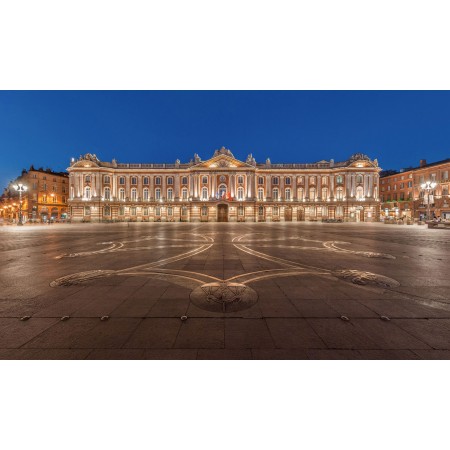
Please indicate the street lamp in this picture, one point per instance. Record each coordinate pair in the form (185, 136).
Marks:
(428, 186)
(20, 188)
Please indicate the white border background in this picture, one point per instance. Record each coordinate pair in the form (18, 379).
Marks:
(224, 45)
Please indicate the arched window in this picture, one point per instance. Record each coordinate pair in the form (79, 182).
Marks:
(88, 179)
(261, 211)
(134, 180)
(170, 194)
(145, 194)
(107, 193)
(107, 211)
(275, 180)
(134, 194)
(240, 179)
(359, 179)
(87, 210)
(184, 193)
(325, 211)
(287, 194)
(287, 181)
(300, 194)
(121, 194)
(170, 211)
(312, 180)
(325, 180)
(184, 180)
(360, 193)
(106, 179)
(158, 181)
(222, 191)
(275, 194)
(87, 192)
(339, 193)
(158, 194)
(121, 180)
(145, 181)
(170, 181)
(301, 180)
(339, 179)
(205, 180)
(260, 194)
(324, 193)
(312, 194)
(240, 193)
(339, 212)
(260, 180)
(204, 193)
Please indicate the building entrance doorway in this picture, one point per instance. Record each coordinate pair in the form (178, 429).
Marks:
(222, 213)
(301, 214)
(288, 214)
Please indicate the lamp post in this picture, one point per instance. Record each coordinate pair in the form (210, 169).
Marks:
(428, 186)
(20, 188)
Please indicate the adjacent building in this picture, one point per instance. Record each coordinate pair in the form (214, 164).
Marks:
(224, 189)
(403, 197)
(45, 199)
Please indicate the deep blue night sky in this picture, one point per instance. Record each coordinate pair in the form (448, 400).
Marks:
(48, 128)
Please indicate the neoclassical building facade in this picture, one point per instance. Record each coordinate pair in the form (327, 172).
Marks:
(224, 189)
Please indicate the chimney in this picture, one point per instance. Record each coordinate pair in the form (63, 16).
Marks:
(423, 162)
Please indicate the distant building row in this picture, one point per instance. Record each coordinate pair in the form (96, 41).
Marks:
(402, 195)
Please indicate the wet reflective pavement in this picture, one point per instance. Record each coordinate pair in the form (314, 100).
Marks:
(244, 291)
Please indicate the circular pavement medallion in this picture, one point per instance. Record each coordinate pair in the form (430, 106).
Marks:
(224, 296)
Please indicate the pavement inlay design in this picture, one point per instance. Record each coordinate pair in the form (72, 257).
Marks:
(230, 294)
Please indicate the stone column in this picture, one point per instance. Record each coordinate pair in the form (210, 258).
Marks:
(294, 191)
(268, 187)
(306, 193)
(319, 188)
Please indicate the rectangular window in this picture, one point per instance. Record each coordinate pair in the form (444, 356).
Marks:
(133, 211)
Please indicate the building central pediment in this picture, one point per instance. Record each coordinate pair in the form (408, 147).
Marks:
(221, 162)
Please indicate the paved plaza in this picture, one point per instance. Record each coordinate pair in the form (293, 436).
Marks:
(224, 291)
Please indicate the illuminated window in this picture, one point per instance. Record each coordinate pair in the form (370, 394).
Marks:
(287, 194)
(275, 194)
(170, 211)
(145, 193)
(134, 194)
(145, 181)
(287, 181)
(360, 193)
(240, 179)
(133, 211)
(158, 210)
(158, 180)
(339, 179)
(324, 193)
(205, 180)
(184, 180)
(107, 211)
(300, 194)
(158, 194)
(170, 194)
(312, 194)
(240, 210)
(339, 193)
(275, 180)
(240, 193)
(184, 193)
(260, 194)
(87, 192)
(121, 194)
(170, 181)
(204, 193)
(134, 180)
(121, 180)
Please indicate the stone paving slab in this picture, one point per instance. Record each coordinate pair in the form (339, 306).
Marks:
(290, 269)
